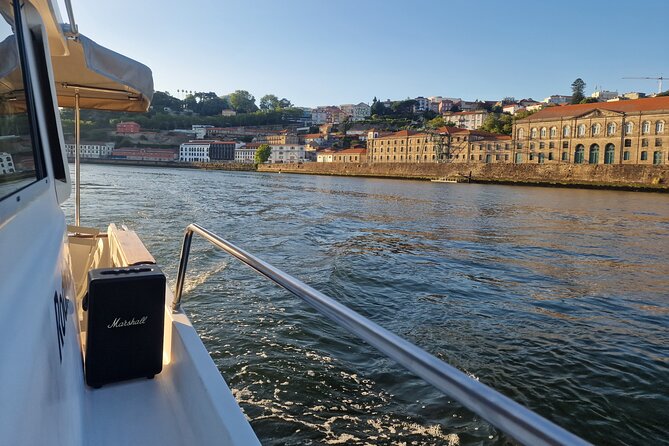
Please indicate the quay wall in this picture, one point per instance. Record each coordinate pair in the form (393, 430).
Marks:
(633, 177)
(210, 166)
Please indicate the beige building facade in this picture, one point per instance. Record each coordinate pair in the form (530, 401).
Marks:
(624, 132)
(405, 146)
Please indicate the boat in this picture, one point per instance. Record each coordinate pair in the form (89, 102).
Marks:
(57, 277)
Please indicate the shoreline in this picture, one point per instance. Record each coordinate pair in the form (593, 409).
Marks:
(637, 178)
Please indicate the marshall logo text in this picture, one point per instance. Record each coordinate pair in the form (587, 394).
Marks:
(118, 323)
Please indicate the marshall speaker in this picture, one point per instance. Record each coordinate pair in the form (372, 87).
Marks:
(126, 310)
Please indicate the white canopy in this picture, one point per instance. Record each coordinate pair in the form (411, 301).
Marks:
(105, 80)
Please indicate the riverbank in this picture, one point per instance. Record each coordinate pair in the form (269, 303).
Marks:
(643, 178)
(620, 177)
(207, 166)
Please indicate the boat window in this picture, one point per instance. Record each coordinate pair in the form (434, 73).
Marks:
(19, 165)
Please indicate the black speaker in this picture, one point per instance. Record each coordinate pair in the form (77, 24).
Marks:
(126, 311)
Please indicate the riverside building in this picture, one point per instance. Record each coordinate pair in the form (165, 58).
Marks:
(287, 153)
(91, 150)
(622, 132)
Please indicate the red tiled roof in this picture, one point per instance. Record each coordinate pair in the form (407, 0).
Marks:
(660, 103)
(356, 151)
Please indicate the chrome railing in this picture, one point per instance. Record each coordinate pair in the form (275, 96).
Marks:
(515, 420)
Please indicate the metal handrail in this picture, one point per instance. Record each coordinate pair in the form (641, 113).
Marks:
(512, 418)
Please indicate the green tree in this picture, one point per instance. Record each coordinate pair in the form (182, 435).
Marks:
(269, 102)
(285, 103)
(243, 102)
(523, 114)
(262, 153)
(577, 91)
(378, 108)
(498, 123)
(588, 100)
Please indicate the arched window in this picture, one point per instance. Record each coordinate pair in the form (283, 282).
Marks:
(566, 131)
(543, 132)
(659, 127)
(657, 157)
(553, 132)
(629, 127)
(579, 154)
(533, 133)
(595, 129)
(611, 128)
(521, 133)
(581, 130)
(593, 157)
(645, 127)
(609, 154)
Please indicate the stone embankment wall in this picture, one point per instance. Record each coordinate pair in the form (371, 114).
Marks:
(638, 177)
(212, 166)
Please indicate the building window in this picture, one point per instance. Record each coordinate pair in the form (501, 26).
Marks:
(628, 143)
(521, 133)
(581, 130)
(657, 157)
(541, 145)
(551, 145)
(644, 155)
(626, 155)
(519, 146)
(519, 158)
(533, 133)
(531, 156)
(645, 127)
(609, 154)
(644, 142)
(595, 129)
(541, 158)
(565, 156)
(506, 157)
(659, 127)
(543, 132)
(565, 144)
(566, 131)
(531, 146)
(579, 154)
(593, 157)
(553, 132)
(628, 128)
(658, 142)
(550, 156)
(611, 128)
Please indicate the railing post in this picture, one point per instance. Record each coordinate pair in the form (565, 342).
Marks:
(183, 264)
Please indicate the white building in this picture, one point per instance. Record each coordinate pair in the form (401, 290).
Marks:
(319, 115)
(603, 95)
(422, 104)
(558, 99)
(512, 108)
(325, 156)
(91, 150)
(194, 151)
(287, 153)
(357, 112)
(6, 163)
(200, 130)
(246, 154)
(470, 120)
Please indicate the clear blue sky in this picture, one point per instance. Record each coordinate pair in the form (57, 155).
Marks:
(317, 52)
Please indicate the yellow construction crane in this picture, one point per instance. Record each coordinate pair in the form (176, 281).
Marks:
(658, 79)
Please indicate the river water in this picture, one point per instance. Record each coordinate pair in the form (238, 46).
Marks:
(558, 298)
